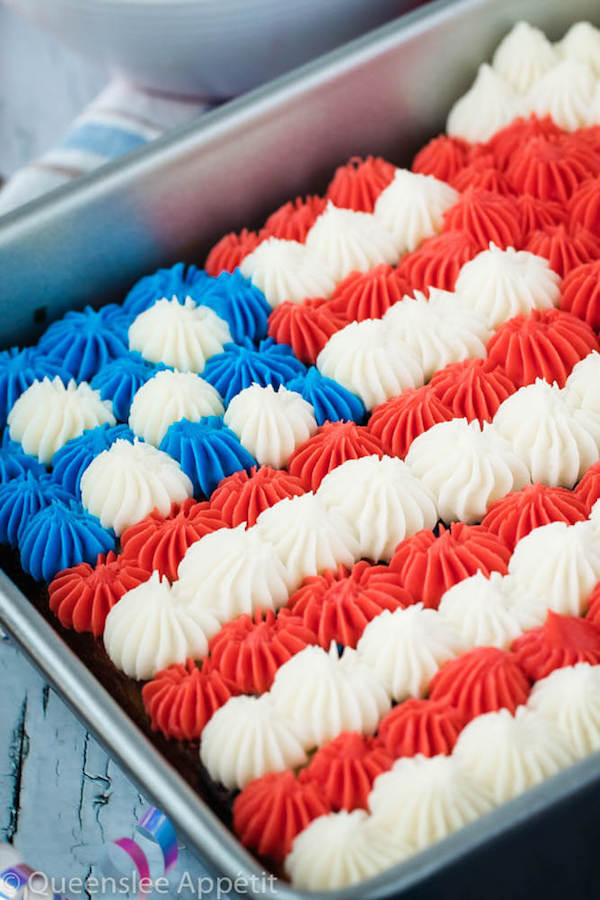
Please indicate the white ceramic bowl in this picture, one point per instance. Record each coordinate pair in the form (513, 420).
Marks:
(213, 48)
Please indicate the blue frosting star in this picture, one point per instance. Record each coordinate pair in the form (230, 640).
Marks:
(83, 342)
(19, 369)
(21, 498)
(179, 281)
(330, 401)
(120, 379)
(240, 365)
(242, 305)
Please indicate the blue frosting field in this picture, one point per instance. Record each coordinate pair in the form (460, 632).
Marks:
(119, 380)
(21, 498)
(207, 451)
(241, 365)
(70, 462)
(14, 461)
(179, 281)
(18, 370)
(331, 401)
(84, 342)
(242, 305)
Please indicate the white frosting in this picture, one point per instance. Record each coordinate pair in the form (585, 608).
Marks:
(341, 849)
(422, 800)
(554, 440)
(412, 208)
(405, 649)
(169, 397)
(486, 612)
(499, 284)
(48, 414)
(381, 500)
(231, 571)
(369, 361)
(438, 329)
(565, 92)
(582, 383)
(466, 467)
(126, 482)
(582, 43)
(571, 698)
(489, 105)
(287, 270)
(523, 56)
(347, 241)
(147, 630)
(270, 423)
(247, 738)
(324, 694)
(182, 335)
(557, 565)
(307, 537)
(507, 754)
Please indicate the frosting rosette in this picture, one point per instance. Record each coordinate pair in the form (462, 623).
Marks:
(333, 444)
(482, 173)
(81, 597)
(346, 241)
(243, 364)
(239, 303)
(488, 105)
(507, 754)
(18, 370)
(83, 342)
(293, 220)
(272, 810)
(584, 204)
(228, 253)
(287, 270)
(366, 359)
(523, 56)
(486, 216)
(358, 184)
(499, 284)
(424, 727)
(466, 467)
(330, 401)
(14, 462)
(398, 421)
(554, 440)
(564, 248)
(120, 379)
(472, 389)
(581, 385)
(405, 648)
(48, 414)
(324, 694)
(248, 738)
(182, 335)
(438, 261)
(242, 497)
(580, 293)
(179, 281)
(305, 326)
(581, 42)
(182, 698)
(443, 156)
(72, 459)
(412, 208)
(569, 697)
(516, 515)
(367, 295)
(507, 142)
(168, 397)
(307, 537)
(159, 542)
(21, 498)
(560, 641)
(566, 93)
(270, 423)
(536, 213)
(552, 167)
(149, 629)
(381, 500)
(125, 483)
(588, 489)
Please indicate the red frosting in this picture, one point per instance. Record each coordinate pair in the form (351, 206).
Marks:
(332, 444)
(487, 217)
(158, 543)
(509, 141)
(584, 205)
(421, 726)
(443, 156)
(428, 565)
(272, 810)
(588, 489)
(438, 261)
(593, 613)
(590, 135)
(228, 253)
(472, 389)
(345, 769)
(82, 597)
(249, 650)
(368, 295)
(561, 641)
(536, 214)
(545, 344)
(483, 680)
(551, 168)
(338, 605)
(483, 174)
(242, 497)
(564, 249)
(305, 326)
(514, 516)
(358, 184)
(397, 422)
(181, 699)
(293, 220)
(580, 293)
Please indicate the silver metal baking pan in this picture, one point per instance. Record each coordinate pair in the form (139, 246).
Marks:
(385, 93)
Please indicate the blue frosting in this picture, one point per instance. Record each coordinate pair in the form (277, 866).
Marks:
(242, 305)
(70, 462)
(18, 370)
(84, 342)
(330, 401)
(207, 451)
(120, 379)
(179, 281)
(21, 498)
(14, 461)
(241, 365)
(59, 536)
